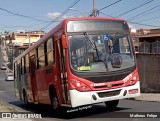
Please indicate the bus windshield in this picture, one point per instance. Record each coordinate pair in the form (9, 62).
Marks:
(100, 52)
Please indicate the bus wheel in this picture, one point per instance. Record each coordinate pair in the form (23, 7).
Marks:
(54, 101)
(111, 105)
(25, 98)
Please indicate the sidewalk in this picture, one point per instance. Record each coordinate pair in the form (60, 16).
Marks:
(8, 109)
(151, 97)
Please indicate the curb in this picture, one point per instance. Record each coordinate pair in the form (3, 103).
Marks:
(150, 97)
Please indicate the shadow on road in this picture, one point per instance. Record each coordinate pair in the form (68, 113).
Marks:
(95, 111)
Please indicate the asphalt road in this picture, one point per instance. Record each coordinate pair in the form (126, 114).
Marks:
(95, 113)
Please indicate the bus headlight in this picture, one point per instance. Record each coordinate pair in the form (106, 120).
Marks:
(133, 80)
(80, 86)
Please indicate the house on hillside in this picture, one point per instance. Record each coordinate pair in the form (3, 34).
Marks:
(148, 40)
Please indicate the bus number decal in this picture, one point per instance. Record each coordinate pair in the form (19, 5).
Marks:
(127, 78)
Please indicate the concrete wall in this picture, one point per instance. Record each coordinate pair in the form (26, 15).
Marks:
(149, 71)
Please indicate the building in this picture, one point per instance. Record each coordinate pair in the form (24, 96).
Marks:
(148, 40)
(22, 38)
(19, 42)
(148, 59)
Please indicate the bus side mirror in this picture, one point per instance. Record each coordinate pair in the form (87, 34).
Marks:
(64, 42)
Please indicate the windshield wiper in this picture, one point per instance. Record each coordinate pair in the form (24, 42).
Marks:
(92, 42)
(94, 46)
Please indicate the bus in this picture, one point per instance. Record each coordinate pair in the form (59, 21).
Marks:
(82, 61)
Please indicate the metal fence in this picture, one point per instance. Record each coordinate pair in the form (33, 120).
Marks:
(146, 47)
(155, 47)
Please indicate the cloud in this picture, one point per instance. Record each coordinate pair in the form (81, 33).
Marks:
(53, 15)
(67, 16)
(131, 25)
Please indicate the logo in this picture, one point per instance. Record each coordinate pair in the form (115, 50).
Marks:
(20, 115)
(109, 86)
(6, 115)
(98, 84)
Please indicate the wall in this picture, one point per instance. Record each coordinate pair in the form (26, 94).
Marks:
(149, 71)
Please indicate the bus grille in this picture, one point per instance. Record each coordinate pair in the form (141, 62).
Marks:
(109, 94)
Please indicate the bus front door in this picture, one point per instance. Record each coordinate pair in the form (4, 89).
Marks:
(19, 83)
(33, 78)
(63, 73)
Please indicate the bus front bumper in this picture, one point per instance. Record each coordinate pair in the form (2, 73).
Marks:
(85, 98)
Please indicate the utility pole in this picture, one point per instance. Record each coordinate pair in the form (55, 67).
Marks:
(94, 8)
(29, 39)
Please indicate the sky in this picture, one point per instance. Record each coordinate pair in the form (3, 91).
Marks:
(33, 15)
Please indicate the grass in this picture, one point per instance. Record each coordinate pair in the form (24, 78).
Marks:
(4, 108)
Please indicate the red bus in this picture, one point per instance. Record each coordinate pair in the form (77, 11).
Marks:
(81, 61)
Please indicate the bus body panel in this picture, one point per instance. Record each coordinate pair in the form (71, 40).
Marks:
(37, 89)
(85, 98)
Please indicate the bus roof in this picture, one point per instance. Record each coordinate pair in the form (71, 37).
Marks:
(92, 18)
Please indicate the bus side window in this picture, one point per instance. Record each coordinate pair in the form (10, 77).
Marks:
(19, 70)
(21, 66)
(50, 52)
(15, 70)
(27, 63)
(41, 57)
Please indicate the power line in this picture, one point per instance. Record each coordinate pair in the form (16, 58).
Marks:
(143, 12)
(108, 5)
(106, 15)
(138, 23)
(148, 13)
(50, 22)
(56, 19)
(142, 24)
(21, 15)
(123, 7)
(64, 12)
(149, 19)
(135, 8)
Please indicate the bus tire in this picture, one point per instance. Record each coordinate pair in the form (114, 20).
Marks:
(111, 105)
(54, 100)
(25, 98)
